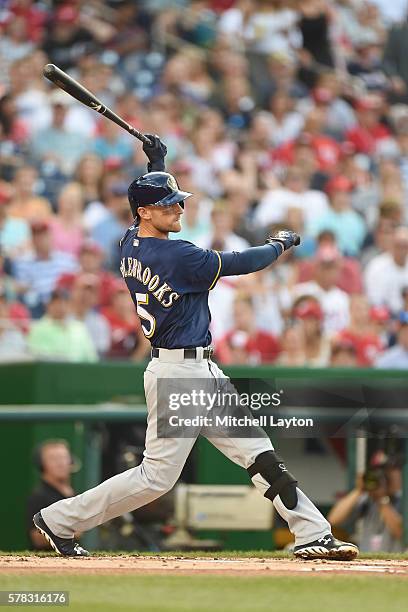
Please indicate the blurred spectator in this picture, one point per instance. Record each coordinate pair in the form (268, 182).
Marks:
(382, 240)
(25, 202)
(126, 336)
(314, 26)
(391, 185)
(17, 313)
(350, 276)
(367, 65)
(221, 237)
(293, 346)
(89, 176)
(34, 17)
(91, 263)
(56, 145)
(131, 29)
(117, 219)
(369, 133)
(404, 295)
(380, 318)
(338, 114)
(264, 290)
(38, 272)
(67, 40)
(58, 337)
(271, 28)
(347, 225)
(360, 332)
(287, 123)
(7, 283)
(334, 301)
(67, 232)
(343, 354)
(375, 505)
(316, 343)
(84, 300)
(245, 341)
(15, 43)
(397, 356)
(326, 151)
(14, 233)
(12, 127)
(28, 87)
(55, 463)
(387, 273)
(274, 205)
(196, 224)
(13, 346)
(395, 59)
(113, 144)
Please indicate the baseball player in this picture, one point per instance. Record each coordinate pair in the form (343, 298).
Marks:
(169, 281)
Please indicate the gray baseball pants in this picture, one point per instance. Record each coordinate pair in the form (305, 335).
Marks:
(163, 461)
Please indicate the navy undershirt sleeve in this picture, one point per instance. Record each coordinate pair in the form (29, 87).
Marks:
(250, 260)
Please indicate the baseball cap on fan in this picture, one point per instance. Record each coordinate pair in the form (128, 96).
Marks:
(309, 309)
(369, 102)
(5, 195)
(66, 14)
(379, 314)
(338, 183)
(90, 246)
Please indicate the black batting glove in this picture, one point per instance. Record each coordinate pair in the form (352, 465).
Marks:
(286, 238)
(155, 152)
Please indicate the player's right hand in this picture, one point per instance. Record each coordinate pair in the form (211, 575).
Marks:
(155, 152)
(286, 238)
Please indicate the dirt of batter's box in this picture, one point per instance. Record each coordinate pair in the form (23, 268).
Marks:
(177, 565)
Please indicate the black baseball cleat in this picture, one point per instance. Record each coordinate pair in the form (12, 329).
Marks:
(327, 548)
(63, 546)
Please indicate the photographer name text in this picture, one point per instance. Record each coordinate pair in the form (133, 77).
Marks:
(245, 421)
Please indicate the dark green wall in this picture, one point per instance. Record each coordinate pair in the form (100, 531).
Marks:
(49, 383)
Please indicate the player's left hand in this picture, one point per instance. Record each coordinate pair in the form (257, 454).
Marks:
(286, 238)
(156, 152)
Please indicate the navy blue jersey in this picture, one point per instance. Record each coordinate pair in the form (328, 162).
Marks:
(169, 281)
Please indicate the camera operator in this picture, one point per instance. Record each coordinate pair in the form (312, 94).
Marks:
(55, 463)
(376, 503)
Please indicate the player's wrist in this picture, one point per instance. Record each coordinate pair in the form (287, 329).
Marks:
(156, 165)
(278, 245)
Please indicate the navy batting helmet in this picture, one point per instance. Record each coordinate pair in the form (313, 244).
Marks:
(155, 189)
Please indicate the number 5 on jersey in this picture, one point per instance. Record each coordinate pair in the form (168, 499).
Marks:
(142, 299)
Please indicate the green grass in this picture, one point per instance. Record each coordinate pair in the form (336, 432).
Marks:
(220, 593)
(223, 554)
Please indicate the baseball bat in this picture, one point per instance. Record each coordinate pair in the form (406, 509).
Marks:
(77, 91)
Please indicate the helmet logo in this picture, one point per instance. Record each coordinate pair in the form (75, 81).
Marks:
(171, 182)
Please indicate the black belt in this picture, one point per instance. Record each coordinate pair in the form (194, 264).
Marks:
(189, 353)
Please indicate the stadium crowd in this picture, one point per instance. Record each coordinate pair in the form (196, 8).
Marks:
(276, 113)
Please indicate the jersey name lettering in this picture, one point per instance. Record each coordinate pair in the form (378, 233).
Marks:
(130, 266)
